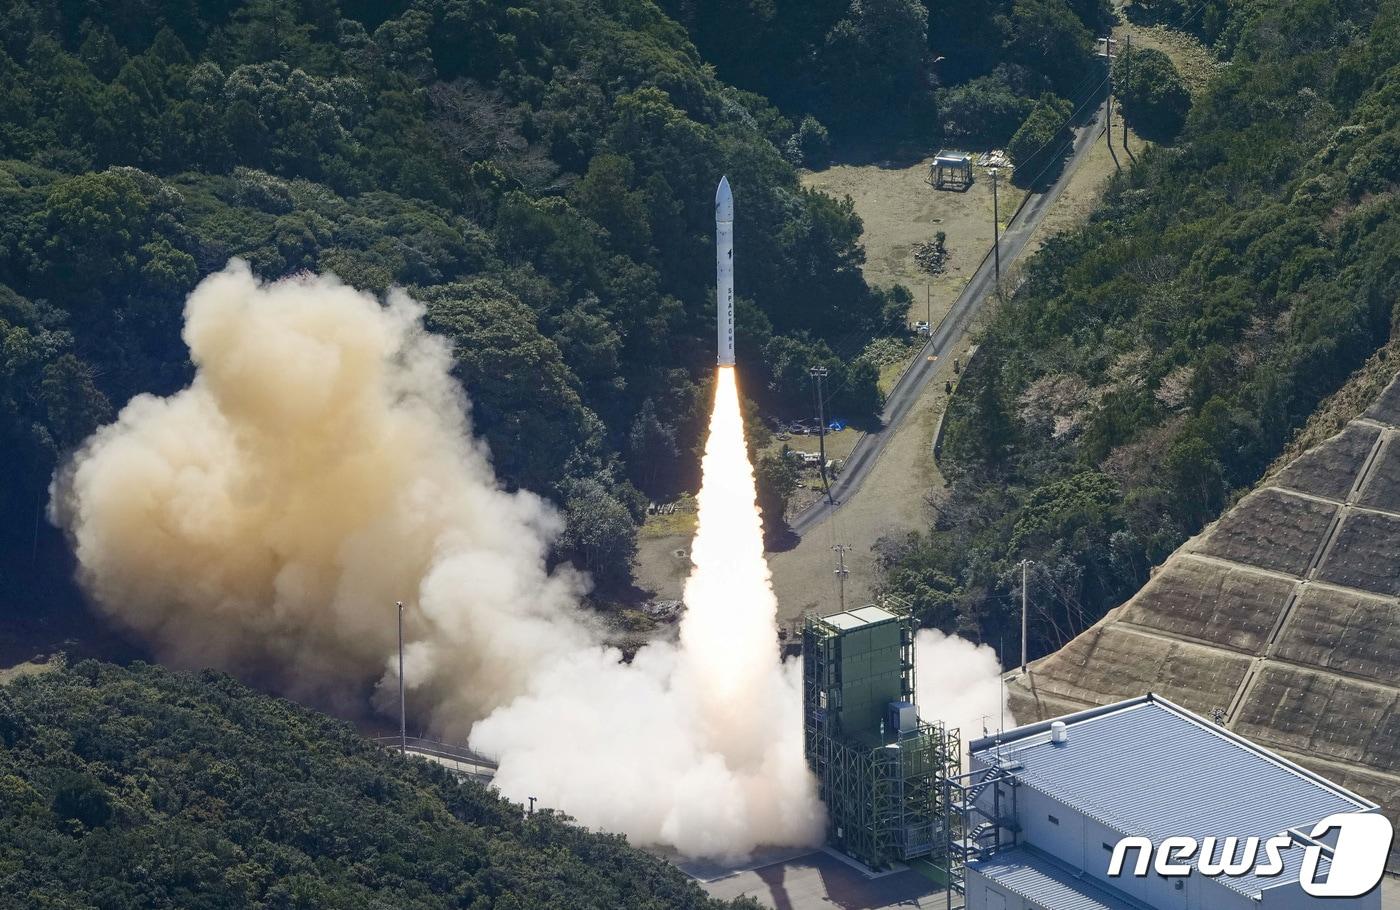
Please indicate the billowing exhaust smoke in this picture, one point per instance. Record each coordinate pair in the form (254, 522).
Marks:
(959, 683)
(320, 467)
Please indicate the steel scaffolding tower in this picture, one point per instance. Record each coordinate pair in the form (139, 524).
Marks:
(880, 769)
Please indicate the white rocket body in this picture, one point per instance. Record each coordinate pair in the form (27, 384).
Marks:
(724, 270)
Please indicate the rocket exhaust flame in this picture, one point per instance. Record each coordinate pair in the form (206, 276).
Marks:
(696, 745)
(729, 635)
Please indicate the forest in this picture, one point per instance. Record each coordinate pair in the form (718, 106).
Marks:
(540, 175)
(132, 788)
(1149, 367)
(888, 70)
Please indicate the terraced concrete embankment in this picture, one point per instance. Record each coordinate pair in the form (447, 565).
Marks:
(1282, 618)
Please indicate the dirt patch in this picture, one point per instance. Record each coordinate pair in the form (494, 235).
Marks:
(663, 564)
(29, 668)
(901, 209)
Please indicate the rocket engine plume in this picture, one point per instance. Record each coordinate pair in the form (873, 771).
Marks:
(696, 745)
(729, 635)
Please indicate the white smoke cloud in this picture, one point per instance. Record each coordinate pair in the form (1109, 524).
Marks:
(959, 683)
(318, 469)
(321, 467)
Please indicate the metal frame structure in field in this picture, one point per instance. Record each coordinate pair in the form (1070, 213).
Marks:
(951, 170)
(881, 779)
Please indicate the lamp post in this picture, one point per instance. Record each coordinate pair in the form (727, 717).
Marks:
(403, 717)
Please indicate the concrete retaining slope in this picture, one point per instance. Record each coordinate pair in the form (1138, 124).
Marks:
(1282, 617)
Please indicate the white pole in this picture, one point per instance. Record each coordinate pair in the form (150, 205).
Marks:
(1023, 614)
(403, 717)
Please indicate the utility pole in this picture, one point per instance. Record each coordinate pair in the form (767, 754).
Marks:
(996, 229)
(818, 374)
(1127, 53)
(1108, 44)
(1024, 563)
(532, 805)
(841, 572)
(928, 307)
(403, 717)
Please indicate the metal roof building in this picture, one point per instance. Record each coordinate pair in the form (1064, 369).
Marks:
(1053, 799)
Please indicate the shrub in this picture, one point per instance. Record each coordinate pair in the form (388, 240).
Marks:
(810, 146)
(1041, 140)
(1152, 95)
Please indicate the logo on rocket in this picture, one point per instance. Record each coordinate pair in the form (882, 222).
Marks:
(724, 270)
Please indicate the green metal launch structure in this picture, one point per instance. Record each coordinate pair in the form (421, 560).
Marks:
(880, 768)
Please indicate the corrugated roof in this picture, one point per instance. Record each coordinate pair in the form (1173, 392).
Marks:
(1149, 768)
(1033, 875)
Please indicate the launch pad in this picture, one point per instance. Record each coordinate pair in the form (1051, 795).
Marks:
(880, 768)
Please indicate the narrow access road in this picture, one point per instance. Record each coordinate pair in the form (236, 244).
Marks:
(948, 334)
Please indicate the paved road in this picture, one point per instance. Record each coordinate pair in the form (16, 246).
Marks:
(821, 881)
(948, 335)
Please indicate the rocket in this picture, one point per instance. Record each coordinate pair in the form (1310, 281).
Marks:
(724, 270)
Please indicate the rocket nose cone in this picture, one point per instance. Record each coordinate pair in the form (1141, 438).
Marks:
(724, 201)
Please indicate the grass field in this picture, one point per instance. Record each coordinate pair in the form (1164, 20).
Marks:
(900, 209)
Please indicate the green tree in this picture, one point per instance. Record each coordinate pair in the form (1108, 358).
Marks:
(985, 109)
(878, 52)
(1041, 141)
(1050, 38)
(80, 798)
(599, 534)
(776, 477)
(1152, 94)
(137, 787)
(810, 146)
(525, 399)
(653, 450)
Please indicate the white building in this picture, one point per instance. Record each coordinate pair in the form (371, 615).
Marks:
(1048, 804)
